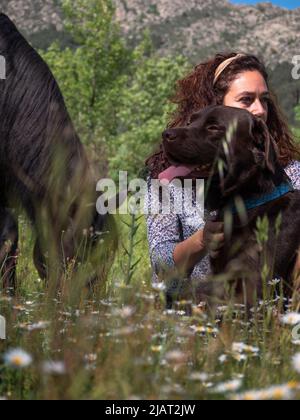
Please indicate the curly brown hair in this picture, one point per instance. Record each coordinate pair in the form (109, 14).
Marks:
(197, 91)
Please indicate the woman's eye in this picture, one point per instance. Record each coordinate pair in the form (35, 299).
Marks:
(266, 100)
(246, 100)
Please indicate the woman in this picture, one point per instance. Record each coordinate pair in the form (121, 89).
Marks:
(183, 241)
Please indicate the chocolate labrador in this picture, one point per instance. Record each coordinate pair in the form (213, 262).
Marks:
(251, 194)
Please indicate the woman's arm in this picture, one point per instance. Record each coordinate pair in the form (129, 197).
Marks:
(293, 172)
(190, 252)
(210, 240)
(167, 249)
(164, 234)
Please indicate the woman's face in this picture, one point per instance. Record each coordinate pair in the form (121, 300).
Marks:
(249, 91)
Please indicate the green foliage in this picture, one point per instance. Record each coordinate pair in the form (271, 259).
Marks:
(117, 96)
(131, 265)
(143, 111)
(91, 74)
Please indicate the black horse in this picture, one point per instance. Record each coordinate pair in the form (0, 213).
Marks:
(44, 169)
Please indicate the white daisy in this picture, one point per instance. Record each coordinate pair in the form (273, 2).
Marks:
(223, 358)
(230, 386)
(244, 348)
(54, 368)
(279, 392)
(291, 318)
(17, 358)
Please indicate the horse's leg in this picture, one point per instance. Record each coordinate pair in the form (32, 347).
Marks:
(39, 261)
(296, 284)
(8, 248)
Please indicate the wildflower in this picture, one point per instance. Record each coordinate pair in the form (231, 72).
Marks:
(156, 349)
(243, 348)
(41, 325)
(169, 312)
(230, 386)
(19, 308)
(240, 357)
(123, 332)
(201, 377)
(291, 318)
(125, 312)
(204, 330)
(296, 362)
(17, 358)
(5, 299)
(208, 384)
(184, 302)
(223, 358)
(159, 287)
(174, 388)
(223, 308)
(199, 311)
(90, 358)
(176, 356)
(274, 282)
(280, 392)
(54, 368)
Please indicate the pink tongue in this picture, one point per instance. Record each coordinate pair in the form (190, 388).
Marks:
(175, 172)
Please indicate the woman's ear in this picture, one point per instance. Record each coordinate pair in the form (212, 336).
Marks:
(264, 148)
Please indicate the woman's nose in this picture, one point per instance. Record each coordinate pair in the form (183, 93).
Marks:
(259, 110)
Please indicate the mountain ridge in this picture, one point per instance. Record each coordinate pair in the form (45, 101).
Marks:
(196, 29)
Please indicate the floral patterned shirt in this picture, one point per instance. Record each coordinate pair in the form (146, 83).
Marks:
(165, 231)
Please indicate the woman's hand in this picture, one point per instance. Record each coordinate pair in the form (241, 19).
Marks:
(208, 241)
(213, 237)
(190, 252)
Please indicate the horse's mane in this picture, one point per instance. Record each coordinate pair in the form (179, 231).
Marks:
(35, 126)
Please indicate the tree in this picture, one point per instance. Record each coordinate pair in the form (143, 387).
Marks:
(143, 110)
(117, 95)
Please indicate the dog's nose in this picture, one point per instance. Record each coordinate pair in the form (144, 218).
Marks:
(169, 135)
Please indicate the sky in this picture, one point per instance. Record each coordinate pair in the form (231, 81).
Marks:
(290, 4)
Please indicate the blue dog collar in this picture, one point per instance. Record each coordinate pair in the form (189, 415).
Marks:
(279, 191)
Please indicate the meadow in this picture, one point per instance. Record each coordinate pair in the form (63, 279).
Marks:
(123, 344)
(120, 342)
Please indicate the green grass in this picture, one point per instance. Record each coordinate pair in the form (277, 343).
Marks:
(124, 345)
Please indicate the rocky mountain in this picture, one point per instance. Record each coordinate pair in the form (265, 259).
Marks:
(198, 27)
(40, 21)
(194, 28)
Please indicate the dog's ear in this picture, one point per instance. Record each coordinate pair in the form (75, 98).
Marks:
(264, 148)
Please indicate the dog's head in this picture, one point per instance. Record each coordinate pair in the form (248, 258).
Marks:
(235, 145)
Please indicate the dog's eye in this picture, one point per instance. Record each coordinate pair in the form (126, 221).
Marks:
(190, 121)
(214, 127)
(193, 118)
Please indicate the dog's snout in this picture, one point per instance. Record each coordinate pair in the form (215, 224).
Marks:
(169, 135)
